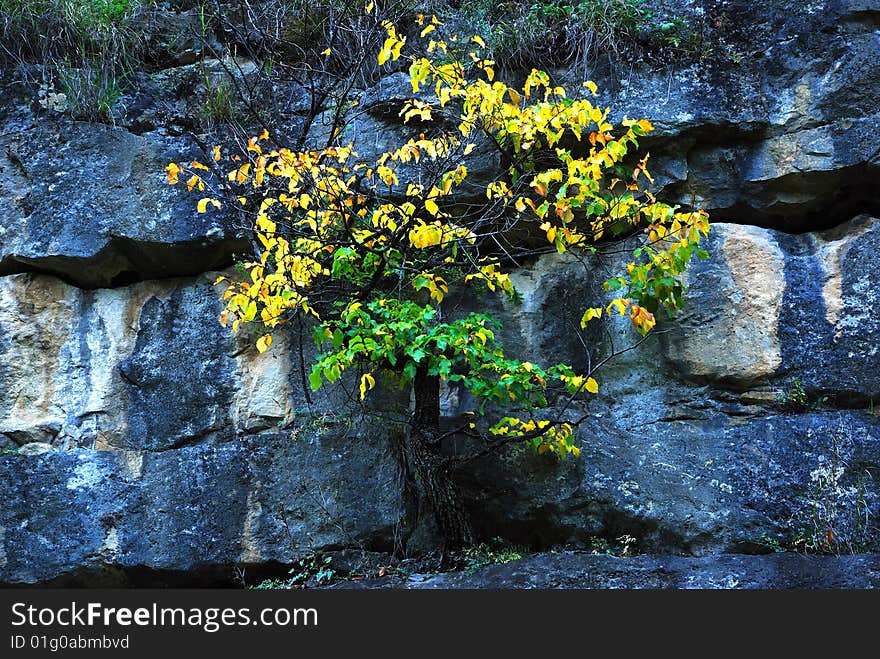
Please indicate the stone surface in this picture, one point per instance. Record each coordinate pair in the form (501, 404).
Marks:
(140, 367)
(576, 570)
(702, 483)
(777, 123)
(729, 329)
(203, 510)
(89, 203)
(772, 307)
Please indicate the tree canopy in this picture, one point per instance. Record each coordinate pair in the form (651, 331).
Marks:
(369, 251)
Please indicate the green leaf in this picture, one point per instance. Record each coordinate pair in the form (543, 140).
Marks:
(331, 373)
(315, 380)
(409, 370)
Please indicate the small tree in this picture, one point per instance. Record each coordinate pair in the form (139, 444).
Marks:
(368, 251)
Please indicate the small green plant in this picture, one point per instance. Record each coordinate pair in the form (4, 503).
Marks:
(90, 91)
(797, 399)
(832, 515)
(314, 568)
(473, 559)
(84, 50)
(315, 424)
(796, 540)
(219, 101)
(620, 547)
(795, 396)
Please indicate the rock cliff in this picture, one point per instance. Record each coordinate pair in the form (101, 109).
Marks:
(142, 443)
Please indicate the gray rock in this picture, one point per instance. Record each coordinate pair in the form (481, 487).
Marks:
(686, 448)
(89, 203)
(776, 124)
(180, 377)
(146, 366)
(86, 517)
(700, 485)
(769, 308)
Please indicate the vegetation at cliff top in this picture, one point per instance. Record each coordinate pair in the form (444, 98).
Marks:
(88, 51)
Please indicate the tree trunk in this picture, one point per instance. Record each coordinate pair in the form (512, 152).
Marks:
(425, 463)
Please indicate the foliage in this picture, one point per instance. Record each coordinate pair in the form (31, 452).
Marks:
(89, 91)
(474, 559)
(219, 100)
(86, 49)
(370, 251)
(577, 32)
(620, 547)
(797, 399)
(312, 569)
(832, 514)
(370, 258)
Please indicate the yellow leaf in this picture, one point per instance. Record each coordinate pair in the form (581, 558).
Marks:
(264, 342)
(431, 206)
(241, 174)
(325, 52)
(202, 206)
(478, 40)
(619, 304)
(427, 30)
(173, 170)
(642, 318)
(369, 7)
(589, 84)
(515, 96)
(589, 314)
(367, 383)
(216, 153)
(592, 386)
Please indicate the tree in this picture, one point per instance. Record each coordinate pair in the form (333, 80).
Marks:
(368, 252)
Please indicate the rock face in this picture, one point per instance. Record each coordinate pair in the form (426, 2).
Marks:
(796, 307)
(137, 436)
(777, 126)
(699, 486)
(721, 434)
(89, 203)
(204, 509)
